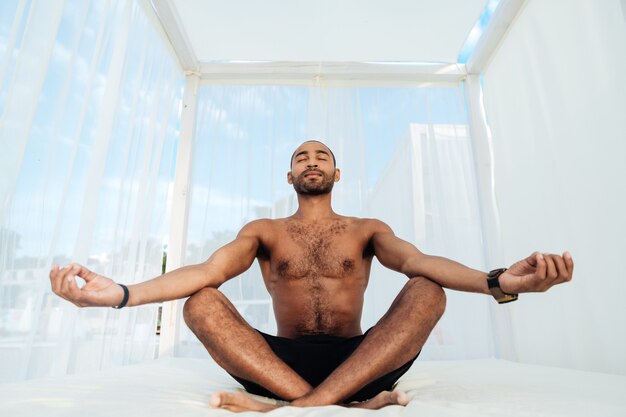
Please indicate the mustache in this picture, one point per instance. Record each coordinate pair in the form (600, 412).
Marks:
(308, 171)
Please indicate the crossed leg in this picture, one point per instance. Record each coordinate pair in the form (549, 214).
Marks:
(237, 347)
(394, 340)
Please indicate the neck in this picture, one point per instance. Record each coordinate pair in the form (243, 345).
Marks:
(314, 207)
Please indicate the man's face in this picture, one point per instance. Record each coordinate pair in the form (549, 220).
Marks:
(313, 171)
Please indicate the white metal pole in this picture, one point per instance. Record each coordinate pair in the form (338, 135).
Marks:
(174, 29)
(502, 18)
(170, 317)
(482, 146)
(483, 160)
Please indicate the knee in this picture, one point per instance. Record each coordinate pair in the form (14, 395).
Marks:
(199, 305)
(430, 293)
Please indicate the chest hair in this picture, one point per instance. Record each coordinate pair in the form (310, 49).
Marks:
(317, 242)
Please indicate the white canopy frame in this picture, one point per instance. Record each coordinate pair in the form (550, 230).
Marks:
(344, 73)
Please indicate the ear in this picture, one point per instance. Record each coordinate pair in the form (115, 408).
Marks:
(289, 178)
(337, 174)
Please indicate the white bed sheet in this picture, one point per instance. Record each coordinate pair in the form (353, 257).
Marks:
(181, 387)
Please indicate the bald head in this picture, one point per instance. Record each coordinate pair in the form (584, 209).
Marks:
(321, 149)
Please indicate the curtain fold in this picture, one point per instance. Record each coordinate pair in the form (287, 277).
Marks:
(89, 113)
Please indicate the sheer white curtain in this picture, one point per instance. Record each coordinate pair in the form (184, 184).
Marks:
(405, 157)
(555, 97)
(89, 105)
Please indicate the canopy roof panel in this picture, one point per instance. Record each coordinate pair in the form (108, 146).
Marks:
(325, 30)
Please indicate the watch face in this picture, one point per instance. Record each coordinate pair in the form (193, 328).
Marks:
(496, 272)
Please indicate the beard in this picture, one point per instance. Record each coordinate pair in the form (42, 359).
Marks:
(322, 186)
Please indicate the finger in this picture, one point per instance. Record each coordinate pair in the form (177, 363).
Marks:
(68, 279)
(569, 264)
(53, 274)
(541, 266)
(74, 292)
(532, 259)
(561, 268)
(59, 279)
(84, 273)
(65, 278)
(552, 273)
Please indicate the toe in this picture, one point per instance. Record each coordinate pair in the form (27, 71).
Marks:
(216, 400)
(400, 398)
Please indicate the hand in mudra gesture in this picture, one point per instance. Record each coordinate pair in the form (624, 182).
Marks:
(537, 273)
(99, 291)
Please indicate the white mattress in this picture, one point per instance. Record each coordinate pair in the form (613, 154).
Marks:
(181, 387)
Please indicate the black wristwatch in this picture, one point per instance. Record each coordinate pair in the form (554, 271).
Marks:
(493, 281)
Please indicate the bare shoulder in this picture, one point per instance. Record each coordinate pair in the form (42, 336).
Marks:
(372, 226)
(258, 228)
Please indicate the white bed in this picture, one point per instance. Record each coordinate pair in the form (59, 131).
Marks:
(181, 387)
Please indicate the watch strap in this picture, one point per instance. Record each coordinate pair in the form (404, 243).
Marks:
(493, 282)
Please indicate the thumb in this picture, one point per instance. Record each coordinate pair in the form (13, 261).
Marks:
(84, 273)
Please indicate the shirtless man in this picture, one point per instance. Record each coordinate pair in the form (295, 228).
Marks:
(316, 266)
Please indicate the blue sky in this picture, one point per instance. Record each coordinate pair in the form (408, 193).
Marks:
(477, 31)
(245, 122)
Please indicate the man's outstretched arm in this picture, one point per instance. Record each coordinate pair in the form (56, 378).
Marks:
(227, 262)
(536, 273)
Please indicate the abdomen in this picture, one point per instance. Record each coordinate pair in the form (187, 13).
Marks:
(325, 306)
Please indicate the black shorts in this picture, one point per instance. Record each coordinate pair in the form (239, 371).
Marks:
(315, 357)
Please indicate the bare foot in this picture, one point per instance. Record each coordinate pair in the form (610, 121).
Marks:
(238, 402)
(383, 399)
